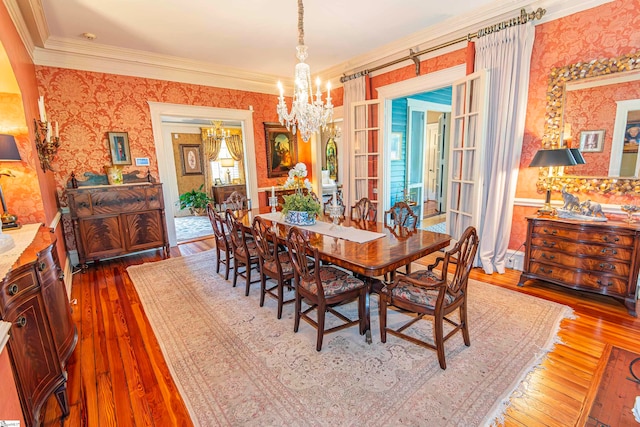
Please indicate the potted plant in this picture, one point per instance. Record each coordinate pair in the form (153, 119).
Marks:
(195, 200)
(299, 208)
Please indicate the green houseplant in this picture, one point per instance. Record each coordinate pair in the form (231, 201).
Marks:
(195, 200)
(299, 208)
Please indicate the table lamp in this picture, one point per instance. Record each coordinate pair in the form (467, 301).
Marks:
(227, 163)
(552, 158)
(8, 153)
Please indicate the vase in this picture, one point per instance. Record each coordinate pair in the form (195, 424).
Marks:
(300, 218)
(114, 175)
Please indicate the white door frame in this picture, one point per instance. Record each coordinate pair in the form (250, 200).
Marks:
(164, 149)
(388, 93)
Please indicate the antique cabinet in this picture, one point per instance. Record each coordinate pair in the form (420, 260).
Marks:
(33, 299)
(599, 257)
(114, 220)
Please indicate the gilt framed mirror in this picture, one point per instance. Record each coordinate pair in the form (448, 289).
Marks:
(598, 95)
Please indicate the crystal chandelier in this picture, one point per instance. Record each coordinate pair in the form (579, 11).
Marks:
(306, 115)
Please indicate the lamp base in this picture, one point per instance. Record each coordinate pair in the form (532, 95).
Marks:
(9, 221)
(547, 210)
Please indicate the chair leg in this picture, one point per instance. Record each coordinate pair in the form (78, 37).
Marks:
(382, 310)
(263, 288)
(465, 324)
(362, 310)
(236, 264)
(217, 259)
(280, 297)
(296, 322)
(228, 264)
(321, 315)
(248, 274)
(439, 339)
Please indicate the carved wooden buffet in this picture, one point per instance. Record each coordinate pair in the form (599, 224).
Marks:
(598, 257)
(42, 337)
(114, 220)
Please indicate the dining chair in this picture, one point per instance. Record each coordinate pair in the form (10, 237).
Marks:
(221, 236)
(245, 252)
(327, 206)
(274, 262)
(364, 209)
(401, 218)
(323, 288)
(428, 293)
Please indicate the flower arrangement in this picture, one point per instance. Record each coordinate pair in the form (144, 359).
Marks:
(298, 201)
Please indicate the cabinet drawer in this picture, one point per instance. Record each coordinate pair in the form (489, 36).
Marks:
(106, 202)
(601, 283)
(154, 198)
(584, 263)
(80, 205)
(17, 284)
(591, 250)
(619, 237)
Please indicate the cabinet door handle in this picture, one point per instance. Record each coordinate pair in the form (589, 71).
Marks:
(548, 256)
(607, 266)
(13, 289)
(613, 251)
(42, 266)
(599, 282)
(61, 276)
(546, 270)
(553, 232)
(550, 244)
(606, 239)
(21, 322)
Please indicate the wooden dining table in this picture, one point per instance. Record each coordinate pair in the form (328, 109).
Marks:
(370, 260)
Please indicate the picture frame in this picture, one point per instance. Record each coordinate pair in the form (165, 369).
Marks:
(119, 148)
(191, 159)
(217, 181)
(592, 141)
(282, 149)
(395, 146)
(631, 137)
(142, 161)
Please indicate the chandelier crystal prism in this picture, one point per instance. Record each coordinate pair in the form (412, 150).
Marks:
(307, 115)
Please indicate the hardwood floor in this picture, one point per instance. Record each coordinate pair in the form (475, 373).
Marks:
(117, 374)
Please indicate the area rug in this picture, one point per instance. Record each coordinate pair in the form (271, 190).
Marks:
(192, 227)
(236, 364)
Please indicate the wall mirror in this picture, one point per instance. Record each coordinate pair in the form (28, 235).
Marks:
(595, 106)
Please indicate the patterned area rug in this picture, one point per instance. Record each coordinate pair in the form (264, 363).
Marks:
(237, 364)
(192, 227)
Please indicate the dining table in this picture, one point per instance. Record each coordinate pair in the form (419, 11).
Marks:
(342, 243)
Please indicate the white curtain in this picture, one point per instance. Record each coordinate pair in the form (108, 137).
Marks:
(354, 90)
(507, 54)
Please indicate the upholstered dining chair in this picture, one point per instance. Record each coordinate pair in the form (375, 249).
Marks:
(323, 288)
(274, 262)
(327, 206)
(401, 218)
(223, 243)
(245, 253)
(364, 209)
(428, 293)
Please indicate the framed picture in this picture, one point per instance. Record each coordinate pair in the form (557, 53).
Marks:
(591, 141)
(395, 145)
(282, 149)
(191, 158)
(631, 137)
(142, 161)
(217, 181)
(119, 148)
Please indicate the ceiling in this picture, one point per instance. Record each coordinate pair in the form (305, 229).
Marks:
(251, 40)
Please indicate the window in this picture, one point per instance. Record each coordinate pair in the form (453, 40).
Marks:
(219, 171)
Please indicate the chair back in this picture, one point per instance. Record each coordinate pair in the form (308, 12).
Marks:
(364, 209)
(299, 247)
(401, 215)
(266, 242)
(236, 201)
(462, 256)
(236, 233)
(338, 201)
(216, 223)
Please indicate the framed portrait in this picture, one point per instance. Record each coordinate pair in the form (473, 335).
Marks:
(282, 149)
(119, 148)
(191, 159)
(395, 145)
(591, 141)
(631, 137)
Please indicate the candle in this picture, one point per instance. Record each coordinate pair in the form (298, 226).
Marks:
(273, 191)
(43, 114)
(57, 133)
(335, 200)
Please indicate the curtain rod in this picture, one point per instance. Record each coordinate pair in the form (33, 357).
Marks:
(522, 19)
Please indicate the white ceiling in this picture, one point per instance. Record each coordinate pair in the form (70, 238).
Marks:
(245, 38)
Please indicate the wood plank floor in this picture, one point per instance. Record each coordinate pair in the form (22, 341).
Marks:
(118, 377)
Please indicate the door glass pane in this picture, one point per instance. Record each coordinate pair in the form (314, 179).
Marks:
(468, 166)
(415, 150)
(458, 131)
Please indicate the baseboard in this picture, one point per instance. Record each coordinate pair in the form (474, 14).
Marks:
(68, 277)
(515, 260)
(73, 258)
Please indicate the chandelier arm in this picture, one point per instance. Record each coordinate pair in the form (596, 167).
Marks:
(300, 23)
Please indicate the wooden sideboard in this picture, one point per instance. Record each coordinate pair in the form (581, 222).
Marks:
(598, 257)
(114, 220)
(33, 299)
(222, 192)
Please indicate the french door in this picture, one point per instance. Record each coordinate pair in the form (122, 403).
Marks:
(416, 132)
(466, 155)
(365, 173)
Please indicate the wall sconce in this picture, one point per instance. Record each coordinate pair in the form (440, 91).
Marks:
(46, 145)
(8, 153)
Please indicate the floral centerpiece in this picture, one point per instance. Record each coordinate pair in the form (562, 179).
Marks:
(299, 208)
